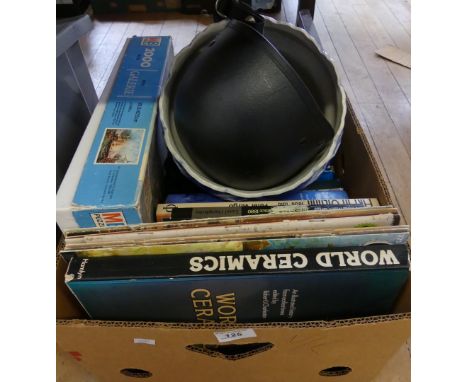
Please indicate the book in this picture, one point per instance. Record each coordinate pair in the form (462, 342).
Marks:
(247, 286)
(336, 193)
(310, 220)
(327, 174)
(289, 243)
(187, 211)
(386, 234)
(236, 220)
(113, 178)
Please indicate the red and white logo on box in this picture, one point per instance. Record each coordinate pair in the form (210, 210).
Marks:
(151, 41)
(106, 219)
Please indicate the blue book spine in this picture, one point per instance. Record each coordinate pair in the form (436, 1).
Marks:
(293, 195)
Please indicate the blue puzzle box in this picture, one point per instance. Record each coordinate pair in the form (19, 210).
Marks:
(112, 179)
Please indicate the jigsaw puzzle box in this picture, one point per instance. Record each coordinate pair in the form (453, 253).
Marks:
(113, 177)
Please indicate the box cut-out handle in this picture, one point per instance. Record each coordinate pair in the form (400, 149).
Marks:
(231, 352)
(335, 371)
(136, 373)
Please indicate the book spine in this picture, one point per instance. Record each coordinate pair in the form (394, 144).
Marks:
(238, 263)
(188, 211)
(325, 193)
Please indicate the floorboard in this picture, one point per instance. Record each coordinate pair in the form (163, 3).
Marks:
(329, 48)
(380, 100)
(392, 25)
(376, 30)
(401, 10)
(102, 58)
(133, 29)
(290, 11)
(93, 40)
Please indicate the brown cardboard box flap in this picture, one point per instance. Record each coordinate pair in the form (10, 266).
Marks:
(290, 352)
(395, 54)
(220, 326)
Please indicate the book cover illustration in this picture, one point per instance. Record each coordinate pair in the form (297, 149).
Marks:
(258, 286)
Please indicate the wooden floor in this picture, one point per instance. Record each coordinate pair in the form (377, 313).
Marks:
(380, 91)
(350, 32)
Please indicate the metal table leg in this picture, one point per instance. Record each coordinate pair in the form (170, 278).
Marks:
(305, 17)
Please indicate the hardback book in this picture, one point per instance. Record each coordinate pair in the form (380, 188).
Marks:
(246, 286)
(187, 211)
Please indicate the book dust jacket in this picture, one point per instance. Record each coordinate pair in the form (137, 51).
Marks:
(252, 286)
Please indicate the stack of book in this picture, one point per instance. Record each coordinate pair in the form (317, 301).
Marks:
(149, 245)
(306, 258)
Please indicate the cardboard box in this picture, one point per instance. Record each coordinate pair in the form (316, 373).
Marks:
(351, 350)
(112, 178)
